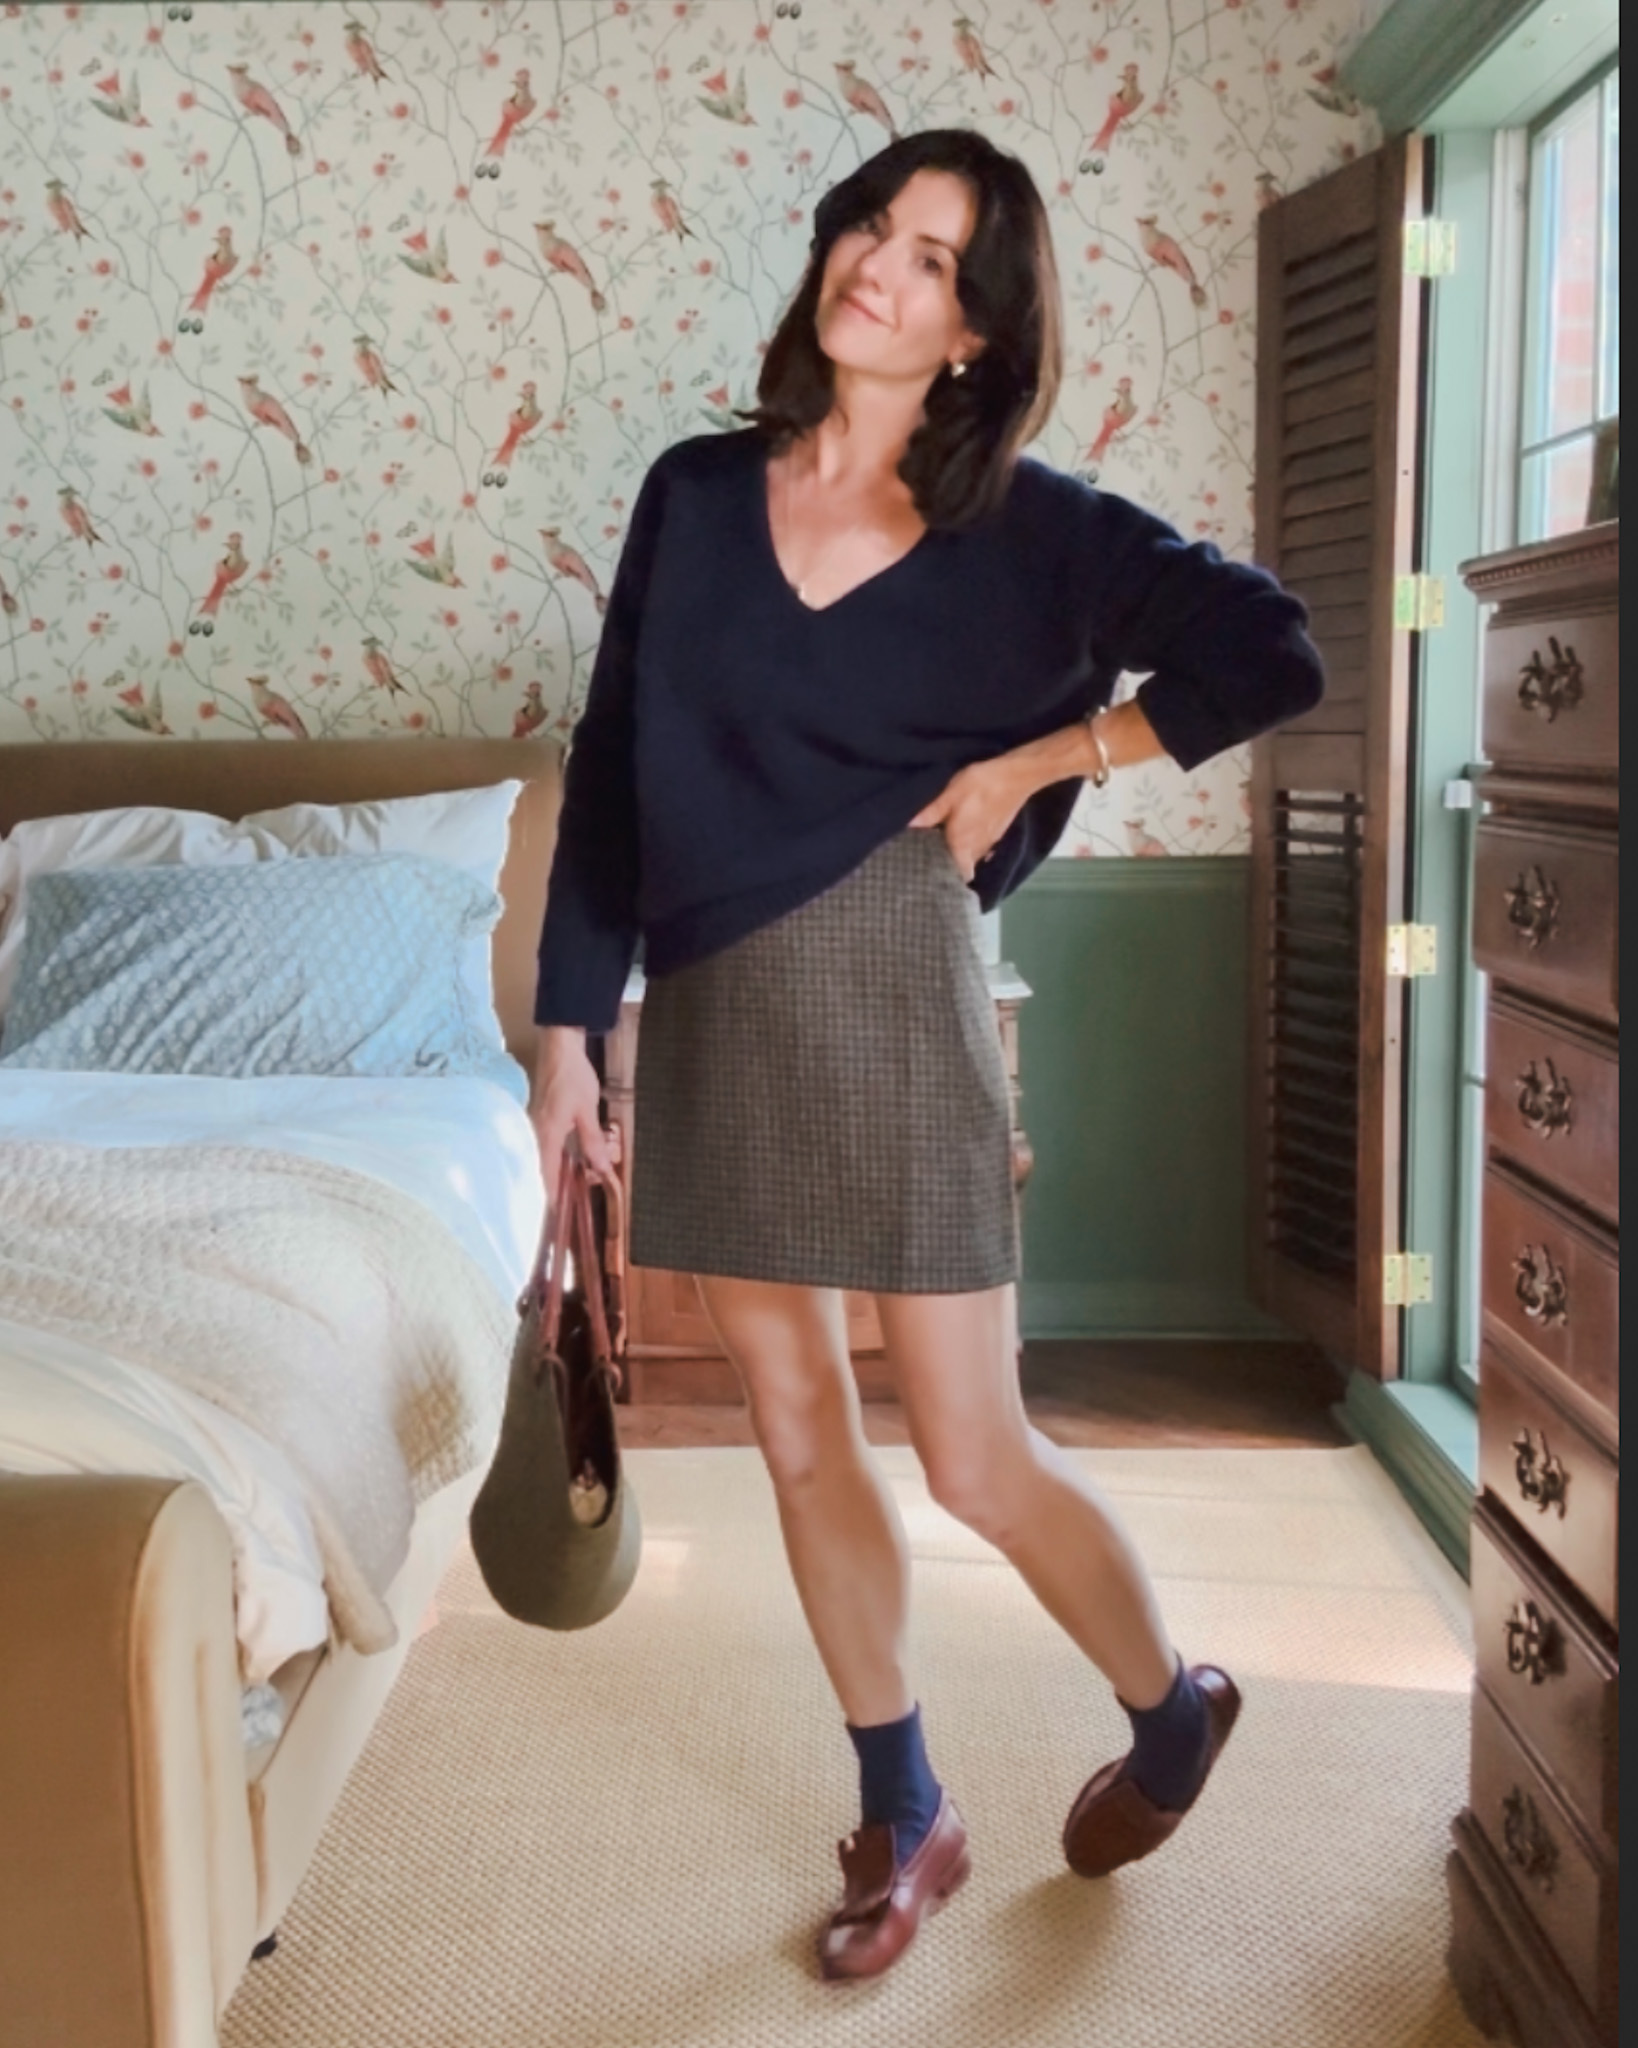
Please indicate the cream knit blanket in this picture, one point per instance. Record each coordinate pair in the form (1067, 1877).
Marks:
(319, 1306)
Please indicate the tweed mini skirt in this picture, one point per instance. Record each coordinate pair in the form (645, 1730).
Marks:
(825, 1102)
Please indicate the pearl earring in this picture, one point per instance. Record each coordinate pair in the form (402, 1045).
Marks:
(958, 369)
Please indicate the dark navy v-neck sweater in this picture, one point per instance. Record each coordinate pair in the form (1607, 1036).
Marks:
(740, 752)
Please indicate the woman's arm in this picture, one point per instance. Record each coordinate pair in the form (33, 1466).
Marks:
(590, 930)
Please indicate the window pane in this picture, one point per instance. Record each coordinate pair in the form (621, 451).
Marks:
(1609, 397)
(1556, 483)
(1564, 281)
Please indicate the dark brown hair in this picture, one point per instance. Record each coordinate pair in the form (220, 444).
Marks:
(960, 459)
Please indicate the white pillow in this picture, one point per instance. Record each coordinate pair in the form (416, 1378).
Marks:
(141, 835)
(468, 828)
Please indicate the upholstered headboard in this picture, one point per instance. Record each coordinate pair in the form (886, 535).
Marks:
(234, 777)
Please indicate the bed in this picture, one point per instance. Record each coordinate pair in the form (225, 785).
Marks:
(174, 1728)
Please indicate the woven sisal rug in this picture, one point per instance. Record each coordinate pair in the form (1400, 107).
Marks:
(626, 1839)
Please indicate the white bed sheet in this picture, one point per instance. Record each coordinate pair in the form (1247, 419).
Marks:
(464, 1148)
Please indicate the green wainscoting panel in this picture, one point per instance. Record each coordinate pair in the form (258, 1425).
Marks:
(1132, 1060)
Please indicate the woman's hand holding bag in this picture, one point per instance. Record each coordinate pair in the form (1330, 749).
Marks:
(554, 1527)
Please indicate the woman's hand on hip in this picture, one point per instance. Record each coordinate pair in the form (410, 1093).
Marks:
(976, 806)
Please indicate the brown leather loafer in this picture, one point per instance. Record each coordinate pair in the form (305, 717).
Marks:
(884, 1901)
(1113, 1822)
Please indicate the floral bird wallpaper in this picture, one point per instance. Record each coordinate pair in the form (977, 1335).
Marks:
(335, 340)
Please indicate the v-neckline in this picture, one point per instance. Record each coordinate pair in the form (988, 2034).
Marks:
(765, 520)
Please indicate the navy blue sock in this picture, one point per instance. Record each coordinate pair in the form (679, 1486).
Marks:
(1171, 1745)
(896, 1782)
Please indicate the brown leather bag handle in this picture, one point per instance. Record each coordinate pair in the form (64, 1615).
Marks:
(570, 1223)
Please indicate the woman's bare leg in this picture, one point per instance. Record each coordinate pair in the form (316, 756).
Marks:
(843, 1535)
(955, 1361)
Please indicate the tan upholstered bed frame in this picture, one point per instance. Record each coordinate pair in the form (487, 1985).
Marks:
(138, 1864)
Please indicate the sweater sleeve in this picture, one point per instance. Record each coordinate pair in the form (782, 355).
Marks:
(589, 935)
(1227, 648)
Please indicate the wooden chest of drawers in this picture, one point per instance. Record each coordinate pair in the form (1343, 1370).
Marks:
(673, 1351)
(1534, 1875)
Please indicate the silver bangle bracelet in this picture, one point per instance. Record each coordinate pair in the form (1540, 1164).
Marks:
(1100, 775)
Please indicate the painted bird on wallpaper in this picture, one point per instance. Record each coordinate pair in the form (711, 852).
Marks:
(666, 210)
(530, 715)
(863, 97)
(436, 567)
(135, 415)
(428, 261)
(1117, 415)
(8, 603)
(1268, 190)
(256, 99)
(370, 366)
(63, 210)
(378, 663)
(221, 260)
(1142, 841)
(132, 706)
(1326, 93)
(716, 98)
(125, 107)
(266, 411)
(228, 571)
(1162, 250)
(520, 104)
(75, 517)
(523, 419)
(970, 50)
(561, 256)
(272, 709)
(362, 51)
(1124, 102)
(567, 562)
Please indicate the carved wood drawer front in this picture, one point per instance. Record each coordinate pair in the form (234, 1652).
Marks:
(1552, 692)
(1553, 1103)
(1552, 1677)
(1544, 913)
(1552, 1285)
(1557, 1483)
(1567, 1889)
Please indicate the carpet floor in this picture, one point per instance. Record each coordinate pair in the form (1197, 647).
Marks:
(625, 1839)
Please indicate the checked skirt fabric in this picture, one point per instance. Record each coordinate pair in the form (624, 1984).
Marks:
(825, 1102)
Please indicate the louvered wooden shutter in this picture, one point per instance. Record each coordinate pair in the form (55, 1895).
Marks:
(1337, 406)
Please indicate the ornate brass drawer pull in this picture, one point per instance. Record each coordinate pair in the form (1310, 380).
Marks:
(1526, 1841)
(1547, 688)
(1543, 1291)
(1535, 1649)
(1546, 1101)
(1532, 907)
(1543, 1481)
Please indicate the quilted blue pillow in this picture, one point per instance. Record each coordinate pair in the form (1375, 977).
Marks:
(348, 966)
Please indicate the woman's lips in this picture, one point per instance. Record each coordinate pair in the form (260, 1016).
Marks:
(852, 305)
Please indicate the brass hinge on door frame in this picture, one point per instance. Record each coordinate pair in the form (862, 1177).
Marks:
(1413, 949)
(1418, 603)
(1407, 1280)
(1430, 248)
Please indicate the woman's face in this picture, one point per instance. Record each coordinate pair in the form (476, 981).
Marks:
(887, 301)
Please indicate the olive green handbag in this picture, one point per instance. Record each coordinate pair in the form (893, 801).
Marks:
(554, 1527)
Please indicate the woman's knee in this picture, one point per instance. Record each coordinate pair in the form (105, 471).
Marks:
(984, 1485)
(795, 1375)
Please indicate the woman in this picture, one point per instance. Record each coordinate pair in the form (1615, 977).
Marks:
(858, 659)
